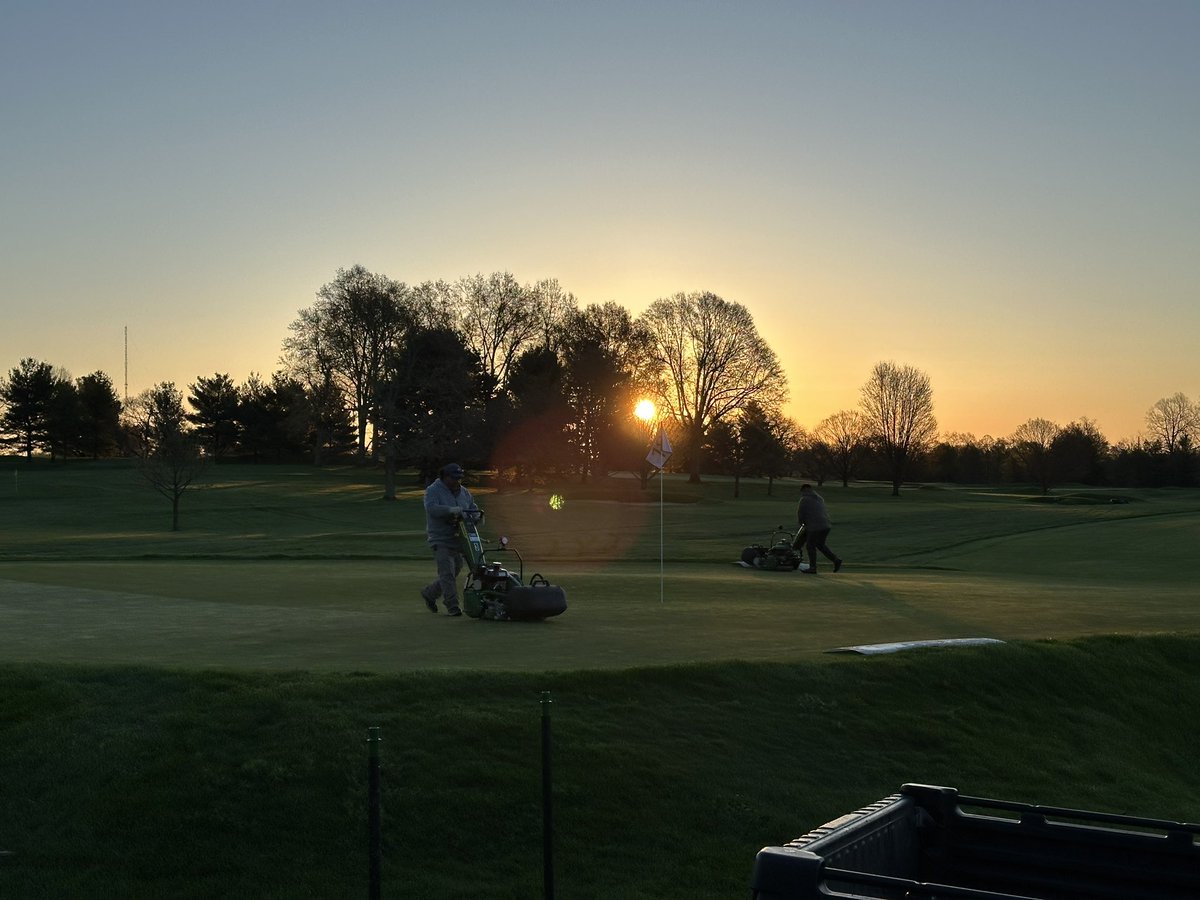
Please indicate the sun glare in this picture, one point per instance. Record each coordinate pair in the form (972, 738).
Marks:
(644, 410)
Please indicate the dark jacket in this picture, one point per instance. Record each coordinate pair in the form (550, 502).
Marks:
(812, 513)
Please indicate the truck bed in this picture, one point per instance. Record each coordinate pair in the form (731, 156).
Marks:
(930, 842)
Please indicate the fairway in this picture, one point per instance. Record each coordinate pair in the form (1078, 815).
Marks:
(304, 569)
(212, 687)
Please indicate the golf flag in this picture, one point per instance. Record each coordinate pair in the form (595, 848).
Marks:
(660, 450)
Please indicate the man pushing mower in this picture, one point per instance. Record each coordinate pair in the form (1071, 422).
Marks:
(445, 501)
(491, 591)
(815, 526)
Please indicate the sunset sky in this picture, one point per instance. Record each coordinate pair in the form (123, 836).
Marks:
(1003, 194)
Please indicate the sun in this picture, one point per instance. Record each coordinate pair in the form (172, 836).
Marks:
(645, 410)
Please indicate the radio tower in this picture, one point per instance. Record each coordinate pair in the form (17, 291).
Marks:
(126, 365)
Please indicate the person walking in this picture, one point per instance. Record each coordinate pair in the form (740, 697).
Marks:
(445, 501)
(814, 519)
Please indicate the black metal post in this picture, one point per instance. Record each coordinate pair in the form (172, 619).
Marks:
(547, 805)
(374, 816)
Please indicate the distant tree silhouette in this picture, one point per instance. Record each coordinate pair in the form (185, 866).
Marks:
(845, 434)
(766, 437)
(1173, 418)
(1079, 452)
(711, 362)
(1174, 422)
(607, 366)
(172, 460)
(428, 401)
(99, 411)
(345, 338)
(64, 437)
(1031, 443)
(499, 319)
(897, 402)
(215, 417)
(536, 439)
(26, 395)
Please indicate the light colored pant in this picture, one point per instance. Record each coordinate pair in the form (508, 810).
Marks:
(449, 565)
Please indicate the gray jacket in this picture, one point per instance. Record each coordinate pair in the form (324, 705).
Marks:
(812, 513)
(440, 527)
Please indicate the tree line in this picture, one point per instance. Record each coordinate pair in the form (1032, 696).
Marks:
(521, 379)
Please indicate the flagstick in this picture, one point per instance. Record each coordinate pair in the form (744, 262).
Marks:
(660, 452)
(660, 537)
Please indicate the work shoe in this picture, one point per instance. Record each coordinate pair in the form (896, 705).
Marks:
(431, 605)
(837, 565)
(811, 571)
(454, 611)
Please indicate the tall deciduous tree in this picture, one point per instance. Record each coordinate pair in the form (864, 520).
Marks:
(359, 320)
(498, 320)
(898, 404)
(712, 363)
(1172, 419)
(551, 308)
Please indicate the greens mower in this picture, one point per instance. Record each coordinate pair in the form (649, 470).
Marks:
(493, 592)
(781, 553)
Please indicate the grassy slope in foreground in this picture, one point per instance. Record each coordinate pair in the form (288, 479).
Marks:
(126, 782)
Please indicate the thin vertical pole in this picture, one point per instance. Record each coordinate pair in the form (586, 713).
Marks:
(547, 804)
(660, 538)
(374, 816)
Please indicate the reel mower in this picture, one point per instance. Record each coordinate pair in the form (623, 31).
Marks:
(494, 592)
(782, 552)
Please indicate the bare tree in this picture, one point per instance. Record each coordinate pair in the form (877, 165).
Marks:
(551, 308)
(898, 404)
(712, 363)
(845, 434)
(498, 319)
(432, 304)
(1172, 419)
(1031, 444)
(172, 459)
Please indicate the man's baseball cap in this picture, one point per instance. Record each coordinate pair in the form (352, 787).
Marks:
(452, 470)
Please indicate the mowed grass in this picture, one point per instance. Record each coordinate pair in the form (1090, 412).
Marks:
(310, 569)
(184, 714)
(123, 782)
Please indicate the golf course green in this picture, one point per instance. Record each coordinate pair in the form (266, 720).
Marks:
(184, 712)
